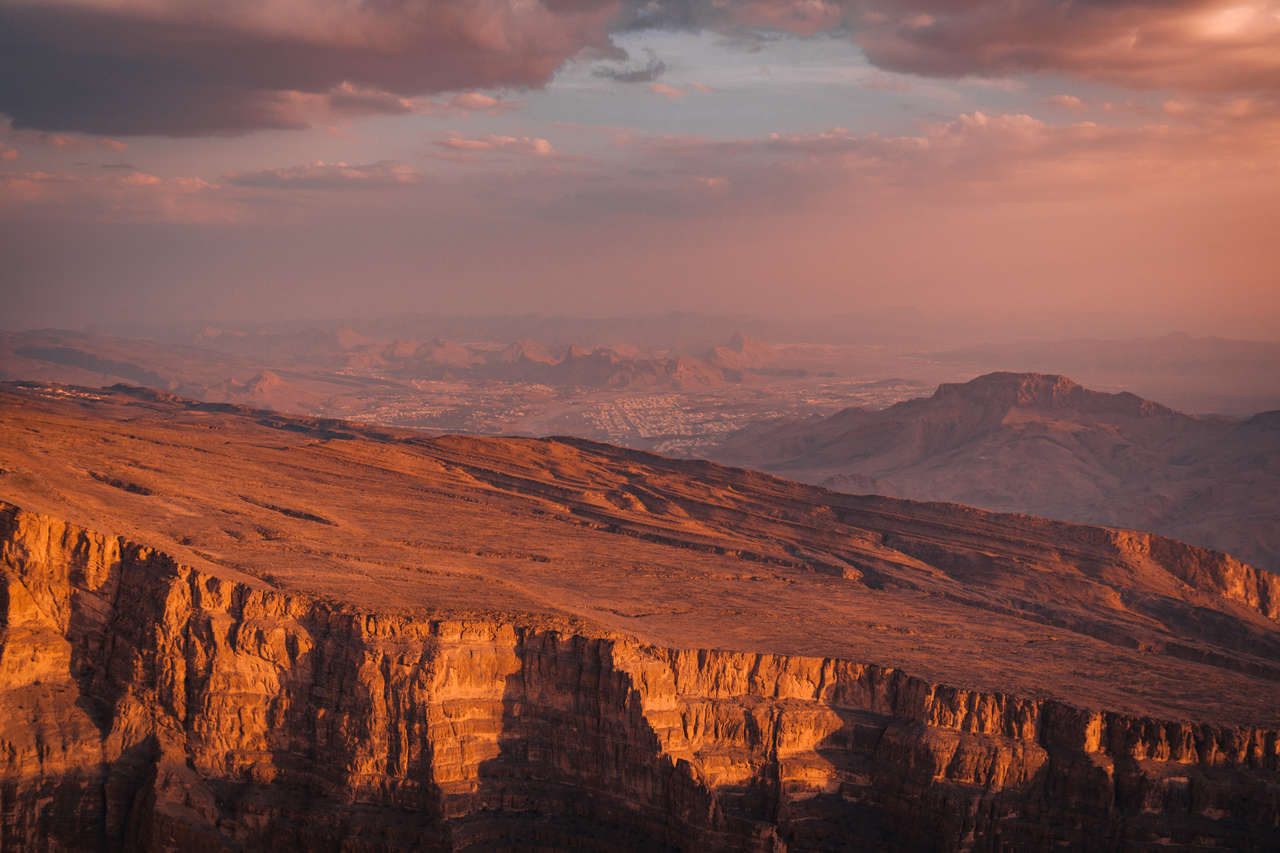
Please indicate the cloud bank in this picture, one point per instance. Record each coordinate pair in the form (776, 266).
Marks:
(200, 67)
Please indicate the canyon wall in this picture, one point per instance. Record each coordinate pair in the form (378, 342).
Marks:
(150, 706)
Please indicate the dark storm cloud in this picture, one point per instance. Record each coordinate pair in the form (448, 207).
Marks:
(178, 67)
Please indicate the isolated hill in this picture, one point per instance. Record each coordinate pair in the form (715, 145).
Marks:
(230, 629)
(742, 353)
(1191, 373)
(1042, 444)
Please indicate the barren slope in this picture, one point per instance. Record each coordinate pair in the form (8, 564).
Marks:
(1018, 442)
(271, 633)
(680, 552)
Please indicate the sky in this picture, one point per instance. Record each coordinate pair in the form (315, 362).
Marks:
(1038, 166)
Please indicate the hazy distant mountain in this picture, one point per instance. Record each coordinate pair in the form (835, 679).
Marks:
(227, 366)
(523, 351)
(97, 359)
(742, 353)
(1200, 374)
(1045, 445)
(216, 375)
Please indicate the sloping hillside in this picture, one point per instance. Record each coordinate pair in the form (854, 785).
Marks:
(1047, 446)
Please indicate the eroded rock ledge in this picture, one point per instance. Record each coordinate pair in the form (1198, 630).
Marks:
(150, 706)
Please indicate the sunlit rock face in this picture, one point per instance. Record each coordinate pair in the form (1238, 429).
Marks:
(150, 706)
(226, 629)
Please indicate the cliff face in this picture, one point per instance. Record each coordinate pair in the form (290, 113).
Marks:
(151, 706)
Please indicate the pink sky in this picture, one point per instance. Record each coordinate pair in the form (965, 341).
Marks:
(1037, 164)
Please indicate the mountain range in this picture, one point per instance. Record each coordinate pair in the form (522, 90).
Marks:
(307, 366)
(1042, 444)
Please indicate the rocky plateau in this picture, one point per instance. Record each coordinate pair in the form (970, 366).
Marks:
(223, 628)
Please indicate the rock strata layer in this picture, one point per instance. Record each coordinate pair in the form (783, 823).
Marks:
(148, 705)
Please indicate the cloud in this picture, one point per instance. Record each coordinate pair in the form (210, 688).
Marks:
(665, 90)
(651, 70)
(881, 82)
(67, 142)
(1219, 46)
(456, 143)
(59, 141)
(125, 197)
(351, 99)
(329, 176)
(797, 17)
(1068, 102)
(1202, 45)
(197, 67)
(1001, 158)
(7, 153)
(480, 102)
(467, 103)
(200, 67)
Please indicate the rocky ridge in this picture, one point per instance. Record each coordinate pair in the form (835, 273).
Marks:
(1045, 445)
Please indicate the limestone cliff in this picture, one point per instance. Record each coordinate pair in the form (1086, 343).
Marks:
(151, 706)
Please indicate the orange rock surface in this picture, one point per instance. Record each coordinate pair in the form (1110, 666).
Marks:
(230, 629)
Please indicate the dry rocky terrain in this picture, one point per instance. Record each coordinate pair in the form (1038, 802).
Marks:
(225, 628)
(1042, 444)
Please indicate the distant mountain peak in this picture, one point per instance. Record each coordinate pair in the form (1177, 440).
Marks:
(1048, 390)
(1005, 391)
(527, 350)
(742, 351)
(263, 383)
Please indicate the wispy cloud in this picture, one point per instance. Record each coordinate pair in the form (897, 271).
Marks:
(1068, 102)
(126, 197)
(665, 90)
(456, 143)
(329, 176)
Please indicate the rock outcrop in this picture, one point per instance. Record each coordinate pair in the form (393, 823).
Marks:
(151, 706)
